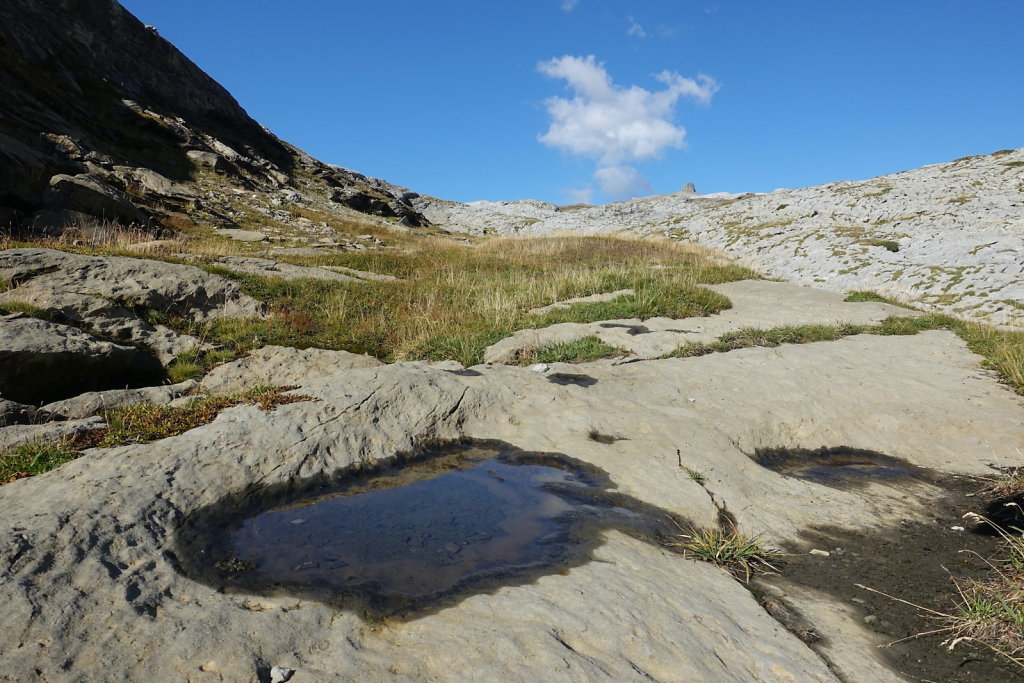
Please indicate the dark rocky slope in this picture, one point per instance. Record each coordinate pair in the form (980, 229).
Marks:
(101, 117)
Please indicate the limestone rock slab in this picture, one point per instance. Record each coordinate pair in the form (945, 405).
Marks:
(96, 535)
(280, 366)
(286, 271)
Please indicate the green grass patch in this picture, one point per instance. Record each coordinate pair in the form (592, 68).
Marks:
(776, 336)
(195, 363)
(34, 458)
(9, 307)
(577, 351)
(861, 296)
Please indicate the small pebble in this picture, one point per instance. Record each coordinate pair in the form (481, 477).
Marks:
(957, 528)
(541, 367)
(870, 619)
(820, 553)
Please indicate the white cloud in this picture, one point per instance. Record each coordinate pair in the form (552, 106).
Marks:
(615, 125)
(568, 5)
(621, 182)
(635, 29)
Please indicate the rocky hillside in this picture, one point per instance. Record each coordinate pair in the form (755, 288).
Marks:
(947, 237)
(103, 118)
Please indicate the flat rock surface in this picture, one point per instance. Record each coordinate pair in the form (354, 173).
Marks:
(241, 235)
(285, 271)
(755, 304)
(104, 293)
(280, 366)
(362, 274)
(957, 228)
(96, 535)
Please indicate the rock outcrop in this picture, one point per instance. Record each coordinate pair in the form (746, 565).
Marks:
(42, 361)
(106, 120)
(113, 296)
(47, 432)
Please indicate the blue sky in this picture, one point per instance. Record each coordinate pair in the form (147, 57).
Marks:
(569, 100)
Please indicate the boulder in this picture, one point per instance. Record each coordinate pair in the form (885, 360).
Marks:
(209, 160)
(41, 361)
(279, 366)
(241, 235)
(89, 195)
(154, 183)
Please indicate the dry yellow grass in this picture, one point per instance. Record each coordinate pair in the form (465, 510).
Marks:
(455, 298)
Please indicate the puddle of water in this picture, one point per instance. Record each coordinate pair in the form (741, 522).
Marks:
(836, 466)
(566, 378)
(470, 517)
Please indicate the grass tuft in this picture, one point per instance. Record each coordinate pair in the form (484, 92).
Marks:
(990, 612)
(864, 295)
(733, 551)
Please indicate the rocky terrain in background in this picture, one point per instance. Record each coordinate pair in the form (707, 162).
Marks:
(947, 237)
(105, 120)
